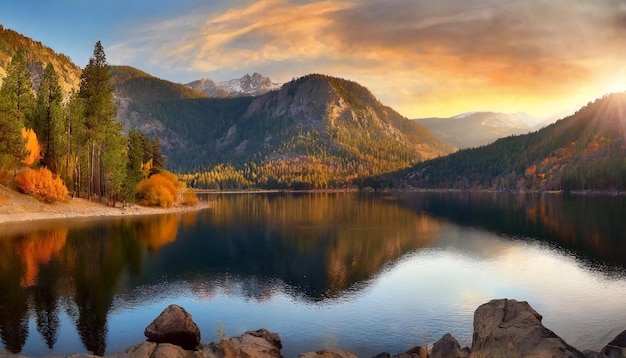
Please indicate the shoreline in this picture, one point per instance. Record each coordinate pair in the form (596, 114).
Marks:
(18, 208)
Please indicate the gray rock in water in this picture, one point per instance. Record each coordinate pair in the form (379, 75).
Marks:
(252, 344)
(617, 347)
(508, 328)
(328, 353)
(174, 325)
(449, 347)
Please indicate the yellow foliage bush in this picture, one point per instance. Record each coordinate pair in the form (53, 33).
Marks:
(156, 191)
(189, 197)
(41, 184)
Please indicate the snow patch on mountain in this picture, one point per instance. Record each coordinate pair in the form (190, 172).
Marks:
(248, 85)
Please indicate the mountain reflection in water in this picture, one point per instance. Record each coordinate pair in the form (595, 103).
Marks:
(314, 248)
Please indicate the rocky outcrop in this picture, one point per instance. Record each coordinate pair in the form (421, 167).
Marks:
(162, 350)
(449, 347)
(174, 325)
(502, 328)
(252, 344)
(617, 347)
(508, 328)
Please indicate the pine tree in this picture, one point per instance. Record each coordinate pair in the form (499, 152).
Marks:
(134, 164)
(76, 145)
(16, 99)
(105, 164)
(49, 118)
(158, 162)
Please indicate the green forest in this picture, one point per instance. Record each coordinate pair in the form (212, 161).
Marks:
(586, 151)
(53, 144)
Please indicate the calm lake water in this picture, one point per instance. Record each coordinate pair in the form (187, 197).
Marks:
(364, 273)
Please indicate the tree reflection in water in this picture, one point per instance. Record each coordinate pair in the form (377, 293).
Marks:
(314, 246)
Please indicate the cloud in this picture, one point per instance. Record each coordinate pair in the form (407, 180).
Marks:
(419, 56)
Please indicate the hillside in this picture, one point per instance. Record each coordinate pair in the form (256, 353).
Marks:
(585, 151)
(475, 129)
(37, 56)
(314, 126)
(248, 85)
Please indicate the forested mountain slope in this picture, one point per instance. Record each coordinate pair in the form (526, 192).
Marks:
(317, 126)
(586, 151)
(37, 57)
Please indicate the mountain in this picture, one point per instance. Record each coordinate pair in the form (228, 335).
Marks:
(475, 129)
(585, 151)
(247, 85)
(313, 127)
(37, 57)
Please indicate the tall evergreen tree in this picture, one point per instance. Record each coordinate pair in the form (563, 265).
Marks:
(105, 164)
(158, 162)
(76, 146)
(16, 100)
(134, 164)
(49, 118)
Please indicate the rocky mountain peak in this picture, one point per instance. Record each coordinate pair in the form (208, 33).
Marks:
(248, 85)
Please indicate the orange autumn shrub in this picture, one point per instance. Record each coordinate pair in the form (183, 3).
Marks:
(41, 183)
(173, 178)
(156, 191)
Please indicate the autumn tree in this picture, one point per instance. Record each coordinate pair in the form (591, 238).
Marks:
(49, 118)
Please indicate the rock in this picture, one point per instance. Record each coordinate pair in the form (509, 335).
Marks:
(168, 350)
(593, 354)
(415, 352)
(327, 353)
(617, 347)
(153, 350)
(174, 325)
(271, 338)
(141, 350)
(382, 355)
(449, 347)
(508, 328)
(252, 344)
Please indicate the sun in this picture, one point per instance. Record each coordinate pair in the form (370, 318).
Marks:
(616, 87)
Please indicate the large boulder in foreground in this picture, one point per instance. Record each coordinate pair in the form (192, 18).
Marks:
(252, 344)
(174, 325)
(449, 347)
(508, 328)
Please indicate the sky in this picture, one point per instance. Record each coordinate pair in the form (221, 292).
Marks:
(424, 58)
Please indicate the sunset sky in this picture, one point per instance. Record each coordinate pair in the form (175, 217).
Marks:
(422, 57)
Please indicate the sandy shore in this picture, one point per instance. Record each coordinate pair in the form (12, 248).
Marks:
(16, 207)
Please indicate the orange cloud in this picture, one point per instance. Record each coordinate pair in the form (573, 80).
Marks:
(422, 57)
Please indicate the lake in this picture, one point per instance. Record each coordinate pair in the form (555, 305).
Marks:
(365, 273)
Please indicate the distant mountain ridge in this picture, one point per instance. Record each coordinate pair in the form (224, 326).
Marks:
(248, 85)
(585, 151)
(475, 129)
